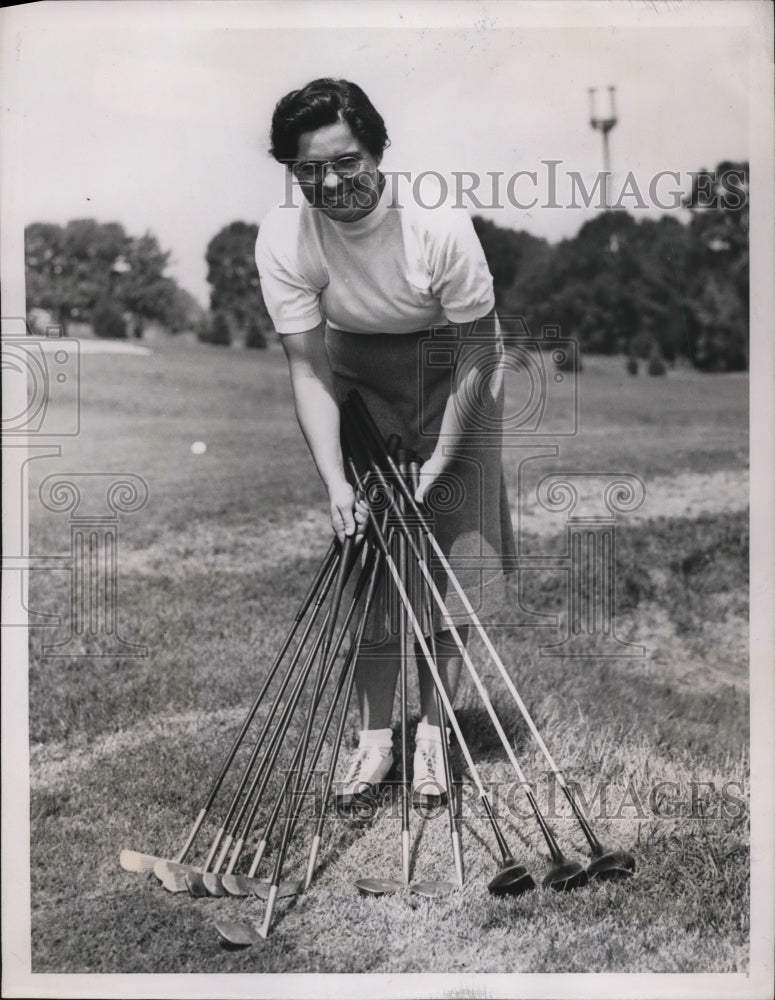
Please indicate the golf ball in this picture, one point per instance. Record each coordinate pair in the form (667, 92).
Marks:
(198, 448)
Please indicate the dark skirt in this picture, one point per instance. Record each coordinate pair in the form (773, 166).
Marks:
(405, 381)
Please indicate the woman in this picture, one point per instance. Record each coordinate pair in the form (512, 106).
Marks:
(358, 285)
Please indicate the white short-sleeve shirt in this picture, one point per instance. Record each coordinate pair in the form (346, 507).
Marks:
(400, 269)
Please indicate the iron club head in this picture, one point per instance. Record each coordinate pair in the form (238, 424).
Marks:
(195, 884)
(432, 889)
(378, 886)
(174, 881)
(236, 934)
(135, 861)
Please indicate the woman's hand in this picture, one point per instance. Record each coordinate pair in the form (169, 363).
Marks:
(348, 515)
(429, 472)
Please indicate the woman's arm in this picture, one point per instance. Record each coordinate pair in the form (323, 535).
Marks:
(460, 412)
(318, 416)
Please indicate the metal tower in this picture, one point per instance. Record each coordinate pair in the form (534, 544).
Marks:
(604, 126)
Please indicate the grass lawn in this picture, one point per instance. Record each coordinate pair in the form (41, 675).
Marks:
(210, 572)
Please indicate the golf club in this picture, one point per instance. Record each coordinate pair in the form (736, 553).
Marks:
(212, 881)
(270, 762)
(135, 861)
(606, 862)
(238, 934)
(347, 548)
(324, 587)
(515, 878)
(563, 874)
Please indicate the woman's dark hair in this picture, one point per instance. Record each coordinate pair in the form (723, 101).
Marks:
(325, 102)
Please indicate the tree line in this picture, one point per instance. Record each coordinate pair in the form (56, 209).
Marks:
(651, 289)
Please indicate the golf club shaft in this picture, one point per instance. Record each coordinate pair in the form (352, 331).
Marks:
(403, 696)
(454, 825)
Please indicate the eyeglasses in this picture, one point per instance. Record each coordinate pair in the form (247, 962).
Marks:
(314, 172)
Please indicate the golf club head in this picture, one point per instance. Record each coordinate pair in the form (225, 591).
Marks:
(195, 884)
(378, 886)
(243, 885)
(236, 934)
(174, 881)
(214, 884)
(432, 889)
(163, 867)
(565, 875)
(140, 864)
(611, 865)
(511, 880)
(236, 885)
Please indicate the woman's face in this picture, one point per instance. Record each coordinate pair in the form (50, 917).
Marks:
(341, 198)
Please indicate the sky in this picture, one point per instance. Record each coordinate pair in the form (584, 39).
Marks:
(158, 117)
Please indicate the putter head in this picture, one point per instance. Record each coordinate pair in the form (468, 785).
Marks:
(378, 886)
(566, 875)
(511, 880)
(237, 935)
(432, 889)
(611, 865)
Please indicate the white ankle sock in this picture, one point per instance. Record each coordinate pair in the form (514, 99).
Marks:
(425, 731)
(381, 739)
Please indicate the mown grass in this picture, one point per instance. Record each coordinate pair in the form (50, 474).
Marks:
(210, 571)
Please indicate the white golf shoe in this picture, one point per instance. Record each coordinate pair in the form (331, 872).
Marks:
(429, 783)
(368, 769)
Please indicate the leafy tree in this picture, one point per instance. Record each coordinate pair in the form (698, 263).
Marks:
(73, 268)
(236, 291)
(109, 321)
(647, 288)
(141, 285)
(717, 265)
